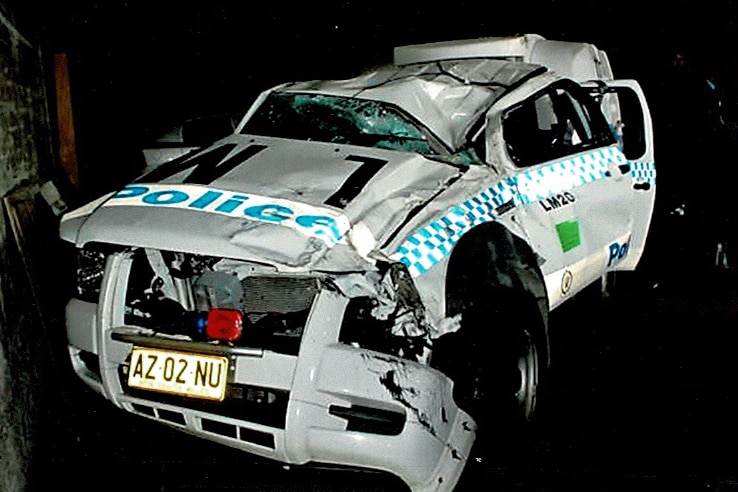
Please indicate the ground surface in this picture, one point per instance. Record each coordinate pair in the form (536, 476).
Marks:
(642, 396)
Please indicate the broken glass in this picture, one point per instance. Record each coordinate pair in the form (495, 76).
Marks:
(341, 120)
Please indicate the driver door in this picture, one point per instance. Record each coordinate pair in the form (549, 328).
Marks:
(626, 109)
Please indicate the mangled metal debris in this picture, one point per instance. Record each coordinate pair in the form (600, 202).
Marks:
(359, 257)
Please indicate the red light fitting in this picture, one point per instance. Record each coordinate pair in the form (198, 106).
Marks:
(224, 324)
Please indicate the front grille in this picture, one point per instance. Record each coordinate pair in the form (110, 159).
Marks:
(275, 308)
(265, 406)
(273, 294)
(91, 362)
(256, 437)
(370, 420)
(209, 425)
(220, 428)
(160, 413)
(174, 417)
(235, 432)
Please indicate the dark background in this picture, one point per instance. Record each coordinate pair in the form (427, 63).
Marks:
(138, 67)
(642, 396)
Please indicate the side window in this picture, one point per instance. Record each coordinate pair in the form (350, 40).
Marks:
(476, 138)
(554, 124)
(634, 131)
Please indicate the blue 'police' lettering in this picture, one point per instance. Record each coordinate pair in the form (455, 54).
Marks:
(166, 197)
(317, 222)
(269, 213)
(617, 252)
(131, 191)
(206, 199)
(231, 204)
(322, 226)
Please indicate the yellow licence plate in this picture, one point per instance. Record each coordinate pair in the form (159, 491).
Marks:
(179, 373)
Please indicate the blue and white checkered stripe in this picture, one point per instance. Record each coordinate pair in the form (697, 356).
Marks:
(429, 245)
(554, 178)
(434, 241)
(643, 172)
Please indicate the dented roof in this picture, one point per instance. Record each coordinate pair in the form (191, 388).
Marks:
(446, 96)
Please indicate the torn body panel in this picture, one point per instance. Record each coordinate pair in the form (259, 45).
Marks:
(302, 273)
(448, 96)
(425, 398)
(282, 366)
(243, 215)
(296, 237)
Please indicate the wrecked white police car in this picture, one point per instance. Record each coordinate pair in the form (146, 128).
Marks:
(361, 274)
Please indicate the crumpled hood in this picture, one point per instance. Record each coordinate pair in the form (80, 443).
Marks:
(292, 204)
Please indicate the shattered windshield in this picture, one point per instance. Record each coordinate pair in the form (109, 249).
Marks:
(341, 120)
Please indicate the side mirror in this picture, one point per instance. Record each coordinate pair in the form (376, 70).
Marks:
(204, 130)
(187, 136)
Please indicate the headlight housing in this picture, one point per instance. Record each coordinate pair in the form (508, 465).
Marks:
(90, 270)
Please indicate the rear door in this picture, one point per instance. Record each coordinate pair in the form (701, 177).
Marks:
(571, 178)
(625, 106)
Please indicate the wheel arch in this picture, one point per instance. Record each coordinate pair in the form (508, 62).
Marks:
(491, 255)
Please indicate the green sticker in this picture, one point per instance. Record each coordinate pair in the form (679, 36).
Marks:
(568, 232)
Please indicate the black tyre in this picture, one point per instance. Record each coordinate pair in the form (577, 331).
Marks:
(496, 362)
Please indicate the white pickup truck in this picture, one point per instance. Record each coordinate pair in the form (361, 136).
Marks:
(361, 274)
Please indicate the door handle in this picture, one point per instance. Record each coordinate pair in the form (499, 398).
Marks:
(617, 171)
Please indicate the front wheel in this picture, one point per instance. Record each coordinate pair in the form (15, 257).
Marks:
(495, 360)
(528, 371)
(505, 375)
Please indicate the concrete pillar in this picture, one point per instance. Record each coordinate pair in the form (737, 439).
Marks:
(31, 404)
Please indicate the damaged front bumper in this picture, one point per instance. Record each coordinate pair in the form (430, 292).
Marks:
(337, 396)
